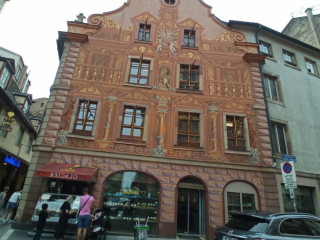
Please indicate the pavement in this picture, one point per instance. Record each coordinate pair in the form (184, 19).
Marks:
(9, 233)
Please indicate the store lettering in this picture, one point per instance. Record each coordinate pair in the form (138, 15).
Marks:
(64, 175)
(12, 161)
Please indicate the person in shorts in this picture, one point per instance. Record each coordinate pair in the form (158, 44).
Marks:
(86, 203)
(11, 205)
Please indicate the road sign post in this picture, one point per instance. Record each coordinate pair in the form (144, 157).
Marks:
(290, 180)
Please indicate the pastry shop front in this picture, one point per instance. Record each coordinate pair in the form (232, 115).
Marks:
(130, 198)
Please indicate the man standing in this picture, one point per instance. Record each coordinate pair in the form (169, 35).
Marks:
(11, 205)
(86, 202)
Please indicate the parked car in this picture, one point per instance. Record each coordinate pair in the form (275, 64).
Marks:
(55, 201)
(257, 225)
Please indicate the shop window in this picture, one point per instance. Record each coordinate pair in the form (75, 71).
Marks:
(144, 32)
(265, 48)
(189, 38)
(130, 196)
(239, 196)
(236, 133)
(139, 71)
(133, 120)
(278, 138)
(188, 129)
(85, 117)
(312, 67)
(19, 138)
(4, 78)
(272, 87)
(289, 58)
(304, 197)
(189, 77)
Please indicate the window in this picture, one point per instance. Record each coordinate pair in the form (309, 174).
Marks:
(312, 67)
(19, 138)
(289, 58)
(301, 227)
(18, 74)
(139, 71)
(189, 38)
(132, 126)
(270, 86)
(170, 2)
(278, 139)
(144, 32)
(265, 48)
(189, 77)
(239, 196)
(85, 117)
(235, 133)
(5, 77)
(188, 129)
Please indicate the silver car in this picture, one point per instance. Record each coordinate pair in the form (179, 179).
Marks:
(257, 225)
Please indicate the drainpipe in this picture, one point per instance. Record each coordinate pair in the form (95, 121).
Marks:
(264, 92)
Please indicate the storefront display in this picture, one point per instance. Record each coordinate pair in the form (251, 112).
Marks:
(131, 197)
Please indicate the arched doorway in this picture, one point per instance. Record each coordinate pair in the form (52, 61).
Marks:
(191, 214)
(130, 196)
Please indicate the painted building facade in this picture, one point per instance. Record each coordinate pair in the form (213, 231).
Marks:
(291, 81)
(167, 104)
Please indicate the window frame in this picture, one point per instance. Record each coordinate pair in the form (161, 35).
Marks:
(20, 137)
(129, 71)
(75, 114)
(245, 132)
(268, 46)
(188, 132)
(284, 129)
(241, 188)
(189, 80)
(189, 34)
(314, 65)
(122, 125)
(144, 27)
(293, 62)
(4, 79)
(267, 79)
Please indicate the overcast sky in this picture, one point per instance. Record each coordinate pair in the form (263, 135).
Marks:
(30, 27)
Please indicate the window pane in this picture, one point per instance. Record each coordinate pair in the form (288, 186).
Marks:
(138, 121)
(282, 142)
(266, 86)
(127, 119)
(143, 81)
(273, 89)
(137, 132)
(248, 202)
(274, 139)
(133, 79)
(126, 131)
(182, 138)
(234, 205)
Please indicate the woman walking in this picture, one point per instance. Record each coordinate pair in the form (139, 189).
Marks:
(63, 220)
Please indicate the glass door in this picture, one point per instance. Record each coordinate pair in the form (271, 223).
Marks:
(191, 218)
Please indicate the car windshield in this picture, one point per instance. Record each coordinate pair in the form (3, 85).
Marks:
(248, 223)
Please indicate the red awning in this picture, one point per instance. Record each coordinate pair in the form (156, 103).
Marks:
(68, 172)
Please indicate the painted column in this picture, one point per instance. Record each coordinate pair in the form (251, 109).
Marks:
(111, 102)
(213, 113)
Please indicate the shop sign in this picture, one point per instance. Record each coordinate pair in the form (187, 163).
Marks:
(289, 175)
(12, 161)
(64, 175)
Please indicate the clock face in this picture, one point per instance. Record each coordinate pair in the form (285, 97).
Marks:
(167, 35)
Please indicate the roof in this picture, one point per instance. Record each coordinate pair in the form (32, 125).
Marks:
(272, 31)
(269, 215)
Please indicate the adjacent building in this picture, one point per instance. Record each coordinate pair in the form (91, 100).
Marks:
(2, 3)
(158, 107)
(291, 82)
(17, 131)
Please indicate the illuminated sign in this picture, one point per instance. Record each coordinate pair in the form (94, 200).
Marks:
(12, 161)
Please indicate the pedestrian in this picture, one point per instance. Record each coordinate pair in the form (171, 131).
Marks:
(65, 211)
(86, 202)
(43, 215)
(2, 198)
(11, 205)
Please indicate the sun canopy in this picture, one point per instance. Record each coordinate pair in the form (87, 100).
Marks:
(68, 172)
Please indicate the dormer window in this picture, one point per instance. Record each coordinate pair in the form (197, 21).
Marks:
(170, 2)
(144, 32)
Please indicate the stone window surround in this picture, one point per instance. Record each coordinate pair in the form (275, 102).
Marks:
(269, 46)
(278, 86)
(74, 117)
(245, 128)
(238, 187)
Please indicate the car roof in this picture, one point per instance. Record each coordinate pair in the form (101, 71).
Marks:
(270, 215)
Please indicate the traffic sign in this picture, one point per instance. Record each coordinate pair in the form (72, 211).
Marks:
(288, 158)
(289, 175)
